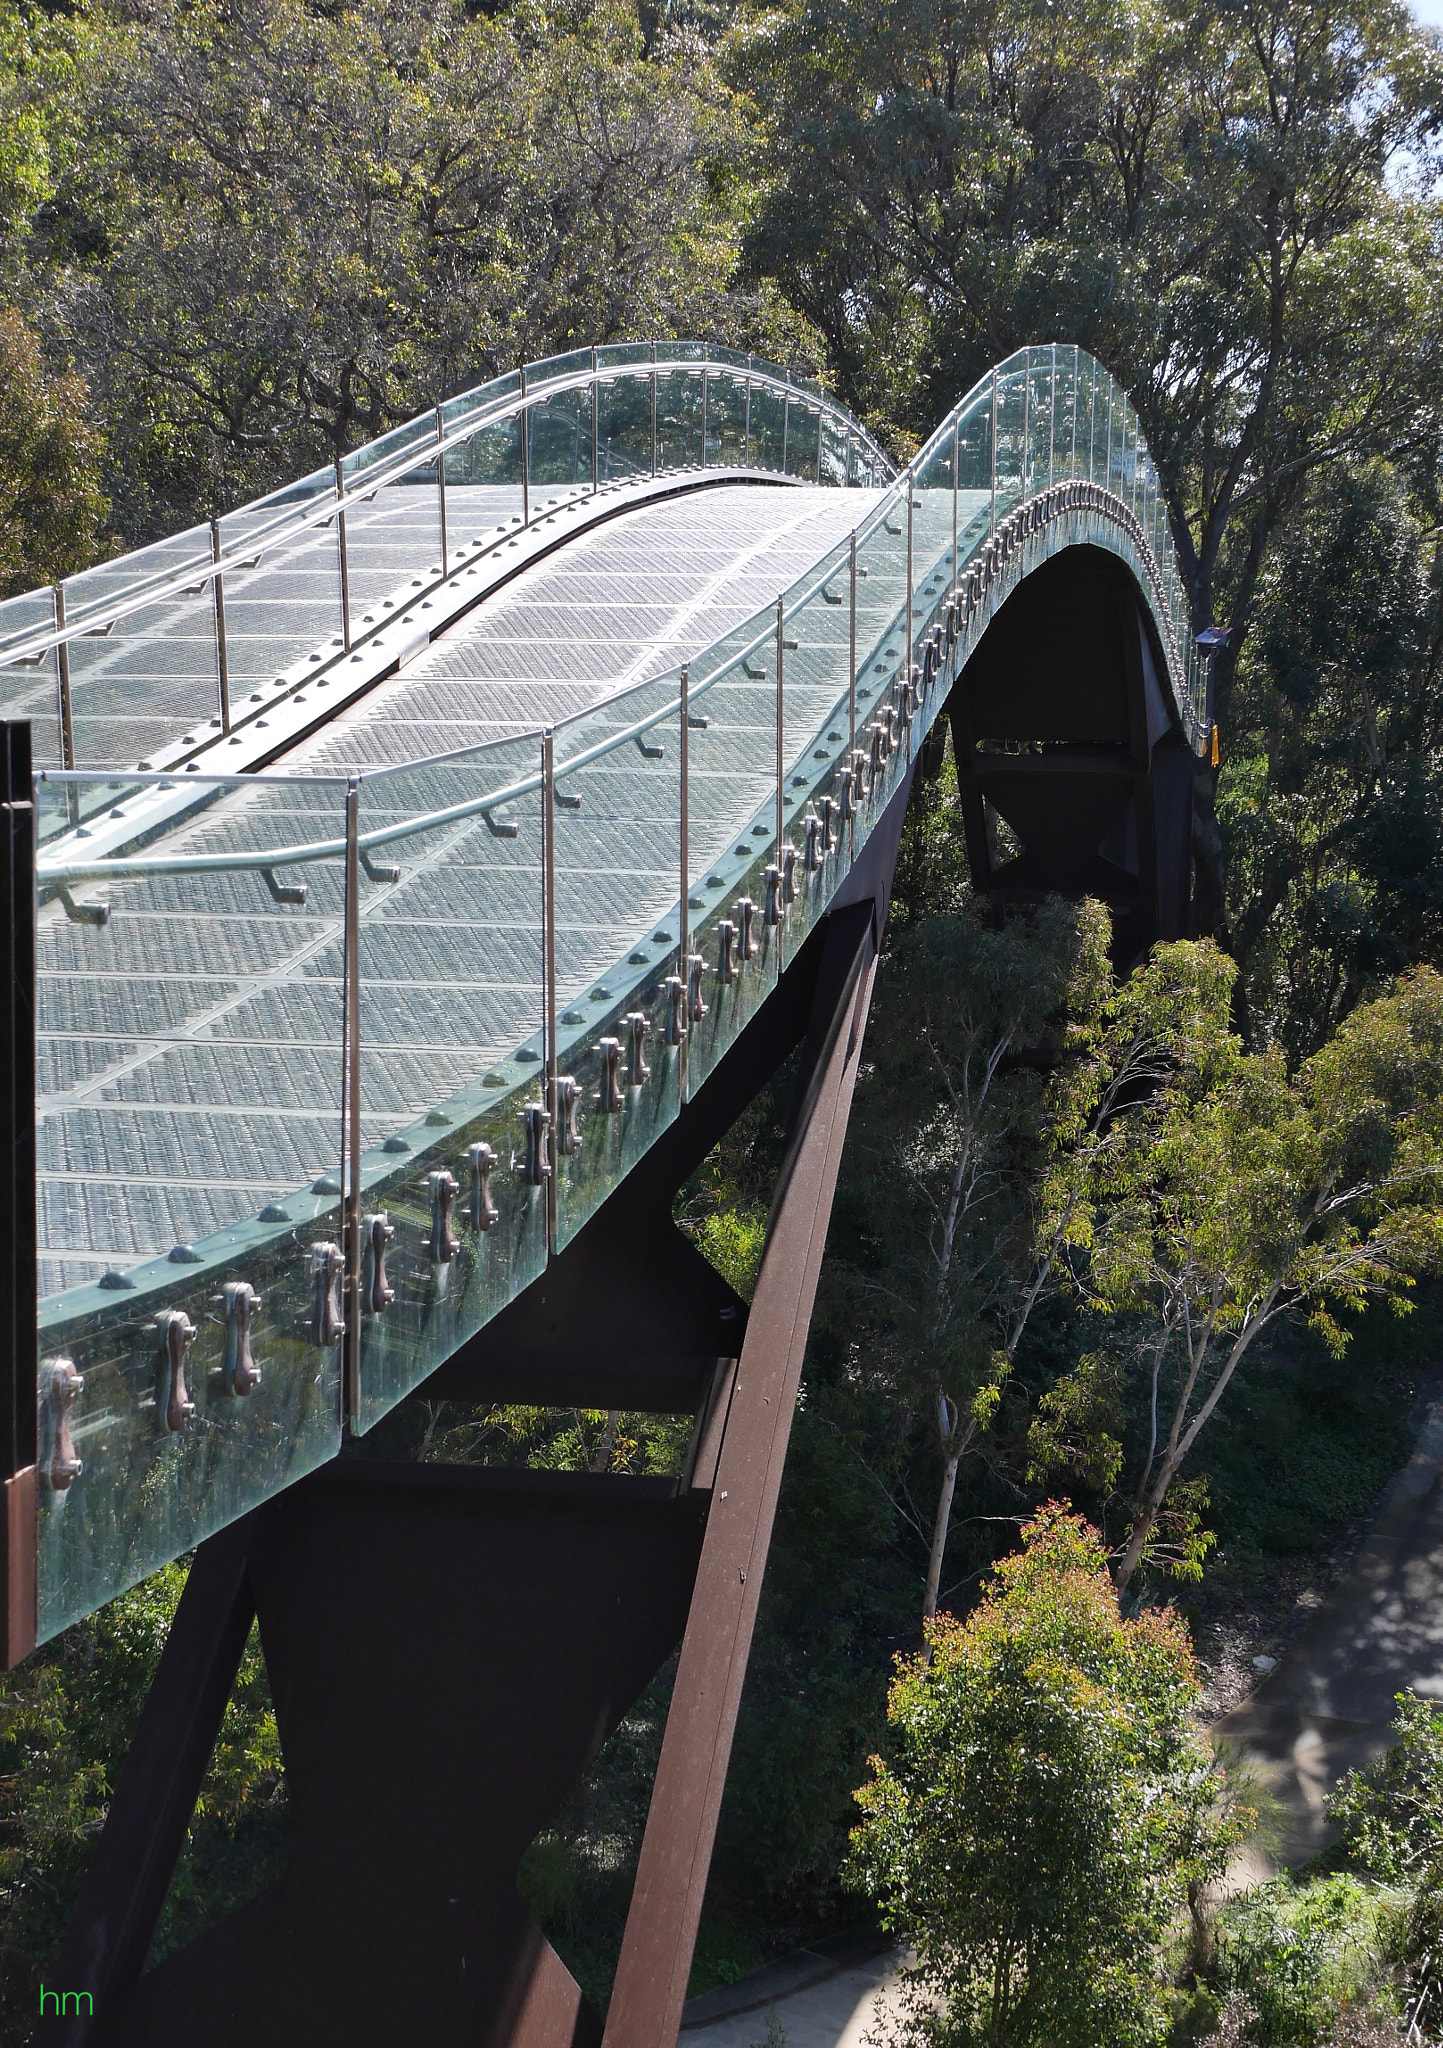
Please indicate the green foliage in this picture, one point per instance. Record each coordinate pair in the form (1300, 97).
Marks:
(1301, 1953)
(289, 226)
(1229, 1194)
(1329, 797)
(51, 504)
(66, 1718)
(1046, 1805)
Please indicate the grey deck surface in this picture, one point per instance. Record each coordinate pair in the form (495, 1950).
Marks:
(189, 1051)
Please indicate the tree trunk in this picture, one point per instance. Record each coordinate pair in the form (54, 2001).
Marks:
(940, 1529)
(601, 1457)
(1143, 1527)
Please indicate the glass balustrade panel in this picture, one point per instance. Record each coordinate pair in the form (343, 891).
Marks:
(454, 411)
(393, 542)
(726, 420)
(804, 440)
(30, 688)
(282, 591)
(1011, 436)
(483, 485)
(451, 1056)
(150, 679)
(188, 1082)
(617, 353)
(732, 838)
(624, 427)
(974, 476)
(678, 420)
(620, 971)
(766, 426)
(881, 653)
(816, 655)
(560, 429)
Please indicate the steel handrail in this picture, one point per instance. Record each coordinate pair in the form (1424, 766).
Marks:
(142, 866)
(195, 576)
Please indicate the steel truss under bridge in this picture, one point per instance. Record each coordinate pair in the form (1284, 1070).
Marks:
(408, 879)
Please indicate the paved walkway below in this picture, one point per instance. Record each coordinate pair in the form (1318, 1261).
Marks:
(1327, 1707)
(825, 1997)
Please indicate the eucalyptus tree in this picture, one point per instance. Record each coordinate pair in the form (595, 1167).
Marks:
(1046, 1802)
(1232, 1196)
(1233, 204)
(951, 1244)
(286, 227)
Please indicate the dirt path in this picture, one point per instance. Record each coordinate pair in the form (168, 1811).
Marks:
(1327, 1707)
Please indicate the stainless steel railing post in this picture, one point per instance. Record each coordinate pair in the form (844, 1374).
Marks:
(1026, 416)
(351, 1110)
(548, 1026)
(911, 643)
(653, 409)
(786, 421)
(852, 694)
(62, 664)
(992, 515)
(747, 421)
(956, 485)
(705, 381)
(683, 966)
(821, 422)
(1052, 416)
(345, 559)
(595, 422)
(525, 455)
(781, 790)
(222, 653)
(441, 490)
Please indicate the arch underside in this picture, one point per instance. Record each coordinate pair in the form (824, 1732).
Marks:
(1074, 774)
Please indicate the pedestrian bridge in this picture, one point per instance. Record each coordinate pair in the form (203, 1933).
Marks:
(413, 843)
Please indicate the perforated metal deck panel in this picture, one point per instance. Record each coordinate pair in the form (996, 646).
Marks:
(207, 992)
(614, 607)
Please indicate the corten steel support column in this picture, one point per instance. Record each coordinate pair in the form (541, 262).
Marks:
(18, 1356)
(656, 1954)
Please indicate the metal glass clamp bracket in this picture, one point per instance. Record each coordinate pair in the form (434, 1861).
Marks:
(789, 875)
(328, 1324)
(696, 1004)
(239, 1373)
(675, 1009)
(377, 1293)
(536, 1167)
(772, 908)
(608, 1095)
(441, 1247)
(568, 1102)
(746, 912)
(726, 966)
(811, 842)
(484, 1212)
(636, 1027)
(59, 1466)
(176, 1332)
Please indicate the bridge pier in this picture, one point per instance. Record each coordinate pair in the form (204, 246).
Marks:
(449, 1646)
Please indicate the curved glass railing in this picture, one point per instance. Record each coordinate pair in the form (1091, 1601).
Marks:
(330, 1068)
(148, 657)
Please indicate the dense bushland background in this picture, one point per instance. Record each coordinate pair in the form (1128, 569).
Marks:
(238, 236)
